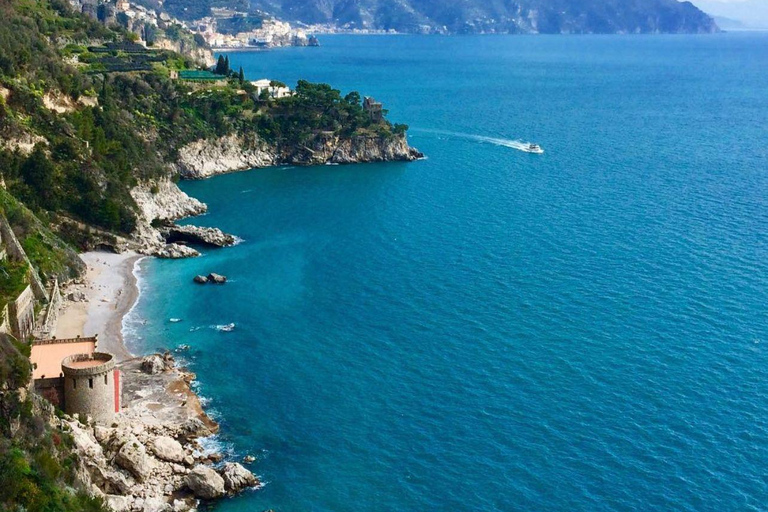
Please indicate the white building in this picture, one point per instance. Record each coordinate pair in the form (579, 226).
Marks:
(266, 85)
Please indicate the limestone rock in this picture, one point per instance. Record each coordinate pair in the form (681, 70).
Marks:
(213, 237)
(204, 158)
(155, 504)
(200, 279)
(236, 477)
(84, 442)
(217, 278)
(163, 199)
(205, 483)
(193, 428)
(153, 364)
(175, 252)
(77, 296)
(371, 149)
(168, 449)
(133, 458)
(118, 482)
(118, 503)
(182, 506)
(102, 434)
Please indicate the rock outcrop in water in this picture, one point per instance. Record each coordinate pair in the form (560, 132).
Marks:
(213, 237)
(162, 200)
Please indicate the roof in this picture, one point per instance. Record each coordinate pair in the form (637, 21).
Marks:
(188, 74)
(48, 354)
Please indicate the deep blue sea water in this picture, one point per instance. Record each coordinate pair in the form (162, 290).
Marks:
(583, 330)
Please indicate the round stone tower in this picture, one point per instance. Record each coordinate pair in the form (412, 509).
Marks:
(89, 386)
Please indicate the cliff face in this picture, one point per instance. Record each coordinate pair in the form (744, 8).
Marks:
(162, 200)
(356, 150)
(479, 16)
(205, 158)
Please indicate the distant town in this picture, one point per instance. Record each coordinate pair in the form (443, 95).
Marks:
(225, 29)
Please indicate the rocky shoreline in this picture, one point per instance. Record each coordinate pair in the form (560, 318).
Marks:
(162, 202)
(206, 158)
(150, 458)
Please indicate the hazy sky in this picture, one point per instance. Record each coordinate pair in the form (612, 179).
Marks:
(749, 12)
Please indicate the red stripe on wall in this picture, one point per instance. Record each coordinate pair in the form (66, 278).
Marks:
(117, 390)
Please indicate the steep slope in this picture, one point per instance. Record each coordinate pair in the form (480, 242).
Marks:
(87, 118)
(501, 16)
(38, 463)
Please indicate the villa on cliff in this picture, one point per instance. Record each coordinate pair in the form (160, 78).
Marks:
(70, 373)
(275, 91)
(374, 109)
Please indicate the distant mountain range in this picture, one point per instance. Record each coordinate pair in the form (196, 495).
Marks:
(745, 14)
(496, 16)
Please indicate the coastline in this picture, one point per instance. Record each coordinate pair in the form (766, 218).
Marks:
(97, 304)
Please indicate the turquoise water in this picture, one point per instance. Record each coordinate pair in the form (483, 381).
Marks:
(487, 329)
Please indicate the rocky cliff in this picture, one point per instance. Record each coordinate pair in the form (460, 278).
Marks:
(508, 17)
(162, 200)
(205, 158)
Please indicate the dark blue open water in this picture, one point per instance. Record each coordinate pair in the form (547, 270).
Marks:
(487, 329)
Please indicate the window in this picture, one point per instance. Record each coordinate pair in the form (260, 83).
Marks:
(105, 379)
(90, 383)
(74, 383)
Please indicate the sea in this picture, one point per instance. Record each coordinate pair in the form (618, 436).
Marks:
(489, 329)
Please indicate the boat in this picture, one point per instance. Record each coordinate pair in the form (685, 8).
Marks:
(533, 148)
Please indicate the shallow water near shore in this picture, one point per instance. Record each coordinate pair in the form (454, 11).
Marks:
(488, 329)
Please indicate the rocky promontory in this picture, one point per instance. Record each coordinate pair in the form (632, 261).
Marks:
(205, 158)
(150, 459)
(195, 235)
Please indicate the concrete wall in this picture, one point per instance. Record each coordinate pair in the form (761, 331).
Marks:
(90, 391)
(22, 314)
(48, 327)
(16, 251)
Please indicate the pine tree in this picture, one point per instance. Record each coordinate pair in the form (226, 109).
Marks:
(241, 75)
(220, 66)
(226, 65)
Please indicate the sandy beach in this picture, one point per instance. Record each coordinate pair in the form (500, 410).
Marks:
(97, 304)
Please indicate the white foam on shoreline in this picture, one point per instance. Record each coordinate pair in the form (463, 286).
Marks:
(129, 327)
(214, 444)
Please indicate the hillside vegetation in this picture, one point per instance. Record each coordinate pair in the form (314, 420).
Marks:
(85, 115)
